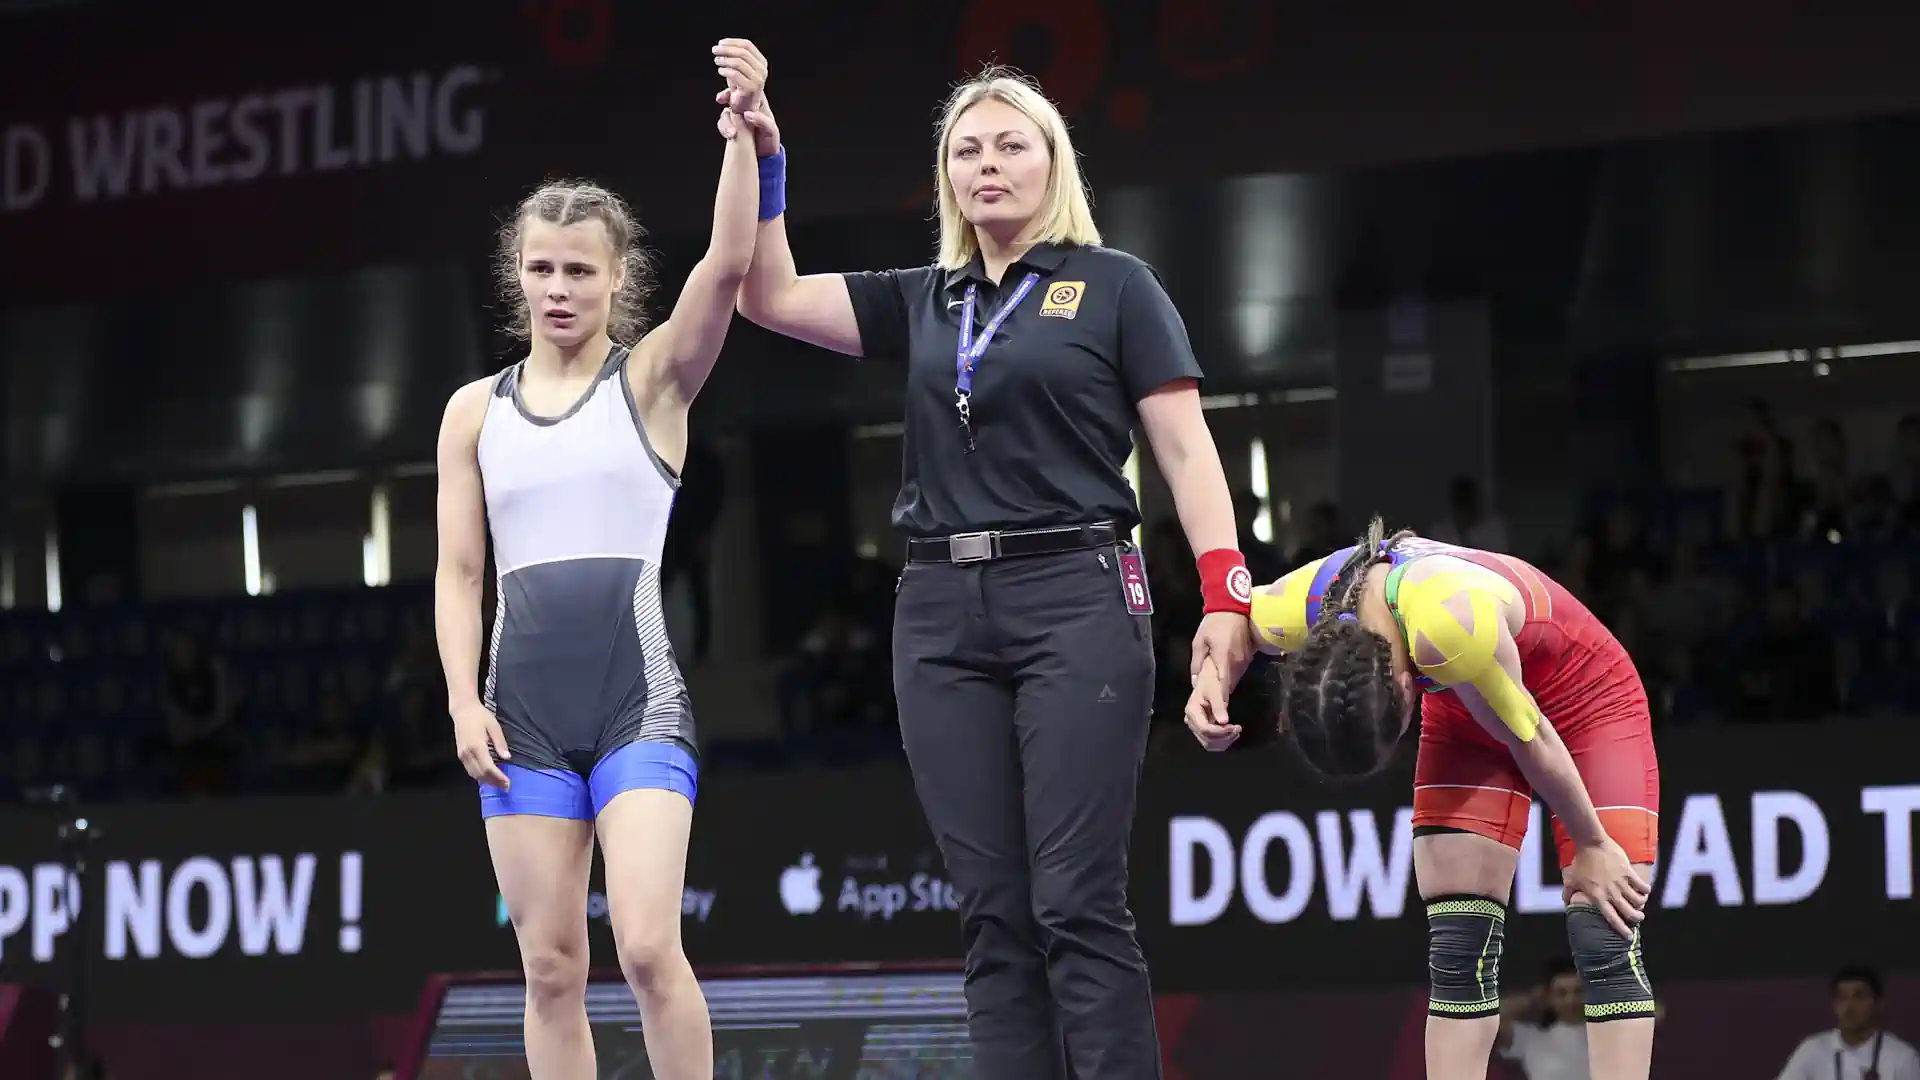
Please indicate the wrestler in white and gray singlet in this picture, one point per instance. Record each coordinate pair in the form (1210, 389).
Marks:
(580, 671)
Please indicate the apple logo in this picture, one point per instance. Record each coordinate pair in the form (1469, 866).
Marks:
(800, 887)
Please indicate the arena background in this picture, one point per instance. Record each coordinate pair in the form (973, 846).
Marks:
(1653, 264)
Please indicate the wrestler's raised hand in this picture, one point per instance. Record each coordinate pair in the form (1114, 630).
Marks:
(758, 120)
(766, 130)
(744, 68)
(758, 116)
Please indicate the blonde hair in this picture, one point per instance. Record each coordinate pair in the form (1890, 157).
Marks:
(1065, 215)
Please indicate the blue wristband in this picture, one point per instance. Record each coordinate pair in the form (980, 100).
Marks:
(773, 184)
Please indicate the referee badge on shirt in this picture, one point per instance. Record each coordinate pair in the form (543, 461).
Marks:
(1063, 299)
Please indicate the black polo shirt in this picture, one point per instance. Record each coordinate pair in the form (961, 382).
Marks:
(1053, 397)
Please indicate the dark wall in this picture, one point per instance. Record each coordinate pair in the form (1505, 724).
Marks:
(318, 314)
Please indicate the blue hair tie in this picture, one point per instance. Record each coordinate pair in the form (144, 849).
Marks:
(1348, 616)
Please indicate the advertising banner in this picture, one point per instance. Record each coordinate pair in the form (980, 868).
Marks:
(317, 906)
(1785, 851)
(267, 907)
(253, 139)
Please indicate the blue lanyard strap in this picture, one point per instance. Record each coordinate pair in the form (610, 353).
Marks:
(971, 350)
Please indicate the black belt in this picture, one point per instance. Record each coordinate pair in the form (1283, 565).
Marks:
(987, 546)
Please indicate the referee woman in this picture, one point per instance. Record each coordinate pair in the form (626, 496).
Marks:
(1023, 661)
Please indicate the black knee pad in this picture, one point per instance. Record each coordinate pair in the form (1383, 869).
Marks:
(1465, 935)
(1612, 967)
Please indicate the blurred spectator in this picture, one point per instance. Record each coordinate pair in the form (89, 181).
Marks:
(686, 572)
(1622, 548)
(322, 758)
(1320, 534)
(1813, 587)
(1627, 618)
(1765, 502)
(841, 681)
(370, 773)
(1890, 607)
(1905, 472)
(416, 744)
(417, 664)
(1695, 602)
(1830, 490)
(869, 596)
(1572, 565)
(90, 1069)
(197, 698)
(1786, 670)
(1468, 523)
(1857, 1047)
(1544, 1031)
(1175, 585)
(1675, 691)
(1251, 702)
(1876, 517)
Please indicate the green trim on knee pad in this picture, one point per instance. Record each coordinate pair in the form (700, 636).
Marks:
(1465, 936)
(1612, 967)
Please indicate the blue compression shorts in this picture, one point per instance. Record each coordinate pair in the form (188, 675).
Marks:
(563, 793)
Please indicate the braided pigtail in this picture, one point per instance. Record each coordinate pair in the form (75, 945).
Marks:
(1344, 591)
(1340, 699)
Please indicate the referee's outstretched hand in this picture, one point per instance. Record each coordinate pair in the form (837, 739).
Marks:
(1225, 638)
(478, 741)
(1206, 713)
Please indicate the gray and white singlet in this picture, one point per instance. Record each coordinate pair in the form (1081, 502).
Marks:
(579, 662)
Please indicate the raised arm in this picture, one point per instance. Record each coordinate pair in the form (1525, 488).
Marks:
(678, 356)
(816, 309)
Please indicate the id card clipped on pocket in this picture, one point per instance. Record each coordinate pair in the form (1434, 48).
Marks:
(1133, 582)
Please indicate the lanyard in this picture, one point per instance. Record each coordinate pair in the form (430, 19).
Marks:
(970, 350)
(1873, 1068)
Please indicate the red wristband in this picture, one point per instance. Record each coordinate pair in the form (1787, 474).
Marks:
(1225, 583)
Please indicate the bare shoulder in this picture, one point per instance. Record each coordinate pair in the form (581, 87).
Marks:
(473, 394)
(467, 406)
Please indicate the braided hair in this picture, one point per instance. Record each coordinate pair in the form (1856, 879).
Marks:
(1339, 697)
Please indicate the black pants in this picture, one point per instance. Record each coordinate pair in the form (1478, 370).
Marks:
(1025, 691)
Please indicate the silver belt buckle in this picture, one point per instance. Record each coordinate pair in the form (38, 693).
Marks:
(970, 547)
